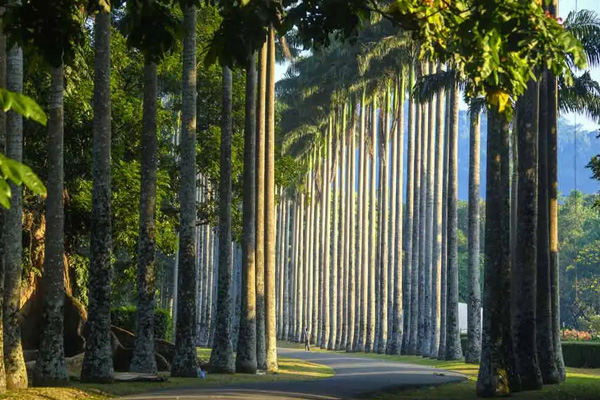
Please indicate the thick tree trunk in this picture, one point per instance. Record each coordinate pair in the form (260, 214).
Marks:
(333, 287)
(436, 263)
(50, 367)
(270, 318)
(384, 227)
(221, 357)
(395, 342)
(341, 305)
(185, 362)
(544, 327)
(143, 359)
(352, 262)
(301, 265)
(473, 350)
(497, 372)
(414, 298)
(360, 336)
(97, 363)
(429, 286)
(453, 346)
(408, 228)
(261, 349)
(444, 270)
(316, 247)
(3, 62)
(308, 252)
(523, 274)
(423, 221)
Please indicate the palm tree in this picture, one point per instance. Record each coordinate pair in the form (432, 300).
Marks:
(363, 229)
(453, 347)
(270, 323)
(2, 213)
(221, 357)
(245, 361)
(523, 281)
(360, 335)
(408, 244)
(261, 349)
(16, 373)
(185, 360)
(473, 350)
(50, 367)
(384, 227)
(371, 333)
(422, 228)
(341, 297)
(333, 288)
(497, 368)
(436, 264)
(444, 269)
(352, 261)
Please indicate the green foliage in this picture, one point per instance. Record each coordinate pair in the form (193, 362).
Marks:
(124, 317)
(18, 174)
(23, 105)
(581, 354)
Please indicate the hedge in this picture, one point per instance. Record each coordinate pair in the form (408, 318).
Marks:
(124, 317)
(581, 354)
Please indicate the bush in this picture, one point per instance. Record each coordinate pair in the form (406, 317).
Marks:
(124, 317)
(581, 354)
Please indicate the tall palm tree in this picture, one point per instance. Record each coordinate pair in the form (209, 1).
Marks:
(143, 359)
(50, 367)
(523, 280)
(352, 261)
(261, 349)
(221, 356)
(270, 323)
(408, 228)
(473, 350)
(185, 360)
(360, 335)
(453, 346)
(363, 229)
(384, 227)
(245, 361)
(372, 328)
(333, 287)
(497, 368)
(2, 213)
(16, 373)
(341, 298)
(422, 227)
(436, 263)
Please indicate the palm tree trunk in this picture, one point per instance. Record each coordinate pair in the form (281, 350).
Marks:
(371, 332)
(2, 212)
(414, 300)
(393, 157)
(408, 244)
(397, 325)
(360, 336)
(316, 247)
(364, 254)
(436, 263)
(429, 287)
(246, 349)
(143, 359)
(352, 262)
(333, 288)
(279, 263)
(50, 367)
(544, 327)
(221, 356)
(497, 368)
(523, 273)
(301, 260)
(185, 360)
(16, 373)
(473, 350)
(444, 270)
(270, 322)
(309, 252)
(341, 298)
(423, 220)
(261, 350)
(384, 226)
(453, 347)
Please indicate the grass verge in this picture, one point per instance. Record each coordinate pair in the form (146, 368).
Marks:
(289, 370)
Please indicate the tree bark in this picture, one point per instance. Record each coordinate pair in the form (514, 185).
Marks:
(453, 346)
(270, 318)
(50, 367)
(383, 227)
(3, 130)
(261, 349)
(497, 372)
(352, 262)
(333, 288)
(473, 350)
(97, 362)
(361, 332)
(221, 357)
(143, 359)
(185, 362)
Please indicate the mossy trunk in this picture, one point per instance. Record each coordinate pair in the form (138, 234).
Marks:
(185, 362)
(50, 367)
(97, 363)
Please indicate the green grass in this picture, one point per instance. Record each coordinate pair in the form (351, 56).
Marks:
(581, 384)
(289, 370)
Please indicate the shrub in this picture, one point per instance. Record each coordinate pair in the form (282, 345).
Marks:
(581, 354)
(575, 335)
(124, 317)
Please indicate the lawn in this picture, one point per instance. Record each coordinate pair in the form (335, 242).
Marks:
(581, 384)
(289, 369)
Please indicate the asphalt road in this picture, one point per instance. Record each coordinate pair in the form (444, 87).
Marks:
(355, 377)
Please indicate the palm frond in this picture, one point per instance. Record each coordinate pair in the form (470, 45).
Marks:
(427, 86)
(585, 26)
(581, 97)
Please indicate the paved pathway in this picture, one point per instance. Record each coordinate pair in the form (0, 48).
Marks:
(355, 376)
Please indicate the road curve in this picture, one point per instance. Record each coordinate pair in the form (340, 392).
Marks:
(355, 377)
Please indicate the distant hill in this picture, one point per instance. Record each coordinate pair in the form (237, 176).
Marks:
(573, 156)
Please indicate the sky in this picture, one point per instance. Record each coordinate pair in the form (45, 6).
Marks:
(565, 7)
